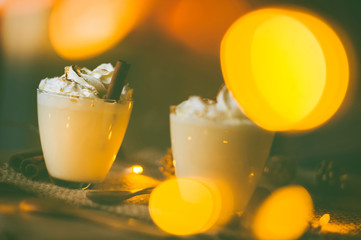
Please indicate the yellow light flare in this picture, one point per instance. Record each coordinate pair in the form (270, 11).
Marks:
(137, 169)
(338, 72)
(81, 29)
(183, 207)
(285, 214)
(138, 181)
(287, 69)
(200, 24)
(325, 219)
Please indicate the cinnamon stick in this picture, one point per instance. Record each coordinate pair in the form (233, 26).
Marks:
(16, 160)
(33, 167)
(118, 80)
(30, 164)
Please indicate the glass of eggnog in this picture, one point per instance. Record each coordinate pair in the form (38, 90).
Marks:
(215, 143)
(80, 132)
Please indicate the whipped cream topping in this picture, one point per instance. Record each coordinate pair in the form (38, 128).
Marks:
(83, 82)
(224, 109)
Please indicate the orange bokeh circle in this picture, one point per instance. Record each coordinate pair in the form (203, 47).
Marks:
(81, 29)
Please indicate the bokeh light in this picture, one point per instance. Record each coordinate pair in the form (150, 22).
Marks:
(285, 214)
(23, 7)
(23, 28)
(337, 72)
(137, 169)
(337, 225)
(80, 29)
(200, 24)
(183, 207)
(287, 69)
(325, 219)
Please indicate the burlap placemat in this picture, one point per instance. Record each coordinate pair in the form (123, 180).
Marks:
(120, 177)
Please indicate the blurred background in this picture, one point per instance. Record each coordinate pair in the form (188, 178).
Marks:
(173, 49)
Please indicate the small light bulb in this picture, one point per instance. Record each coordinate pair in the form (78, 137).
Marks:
(137, 169)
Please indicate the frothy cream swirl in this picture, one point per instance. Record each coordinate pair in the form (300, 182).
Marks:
(82, 81)
(224, 109)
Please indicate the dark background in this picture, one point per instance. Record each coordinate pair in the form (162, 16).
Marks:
(165, 72)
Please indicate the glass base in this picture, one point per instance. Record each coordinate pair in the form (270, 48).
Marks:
(70, 184)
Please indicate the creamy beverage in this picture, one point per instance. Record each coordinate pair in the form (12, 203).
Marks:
(214, 142)
(80, 131)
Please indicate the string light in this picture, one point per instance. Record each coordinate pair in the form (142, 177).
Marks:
(137, 169)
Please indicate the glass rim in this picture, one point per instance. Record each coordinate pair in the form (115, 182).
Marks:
(85, 98)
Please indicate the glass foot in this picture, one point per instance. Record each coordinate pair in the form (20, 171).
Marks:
(70, 184)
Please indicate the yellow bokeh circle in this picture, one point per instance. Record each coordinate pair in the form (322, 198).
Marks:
(285, 214)
(287, 69)
(183, 207)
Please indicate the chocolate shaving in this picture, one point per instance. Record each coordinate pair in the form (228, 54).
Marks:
(118, 80)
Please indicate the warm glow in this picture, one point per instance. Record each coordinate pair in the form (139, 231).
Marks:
(183, 207)
(287, 69)
(24, 7)
(81, 29)
(137, 169)
(138, 181)
(338, 225)
(340, 228)
(7, 208)
(325, 219)
(23, 28)
(200, 24)
(285, 214)
(337, 72)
